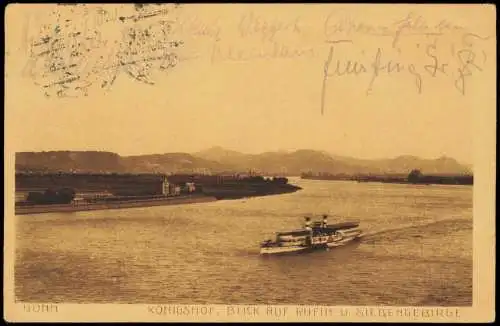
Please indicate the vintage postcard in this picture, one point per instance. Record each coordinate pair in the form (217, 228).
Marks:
(250, 162)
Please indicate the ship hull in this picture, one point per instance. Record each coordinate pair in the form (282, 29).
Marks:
(277, 250)
(343, 241)
(337, 241)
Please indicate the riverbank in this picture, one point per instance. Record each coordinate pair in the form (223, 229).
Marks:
(105, 191)
(38, 209)
(424, 180)
(237, 191)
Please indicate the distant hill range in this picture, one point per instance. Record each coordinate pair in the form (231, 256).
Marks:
(220, 160)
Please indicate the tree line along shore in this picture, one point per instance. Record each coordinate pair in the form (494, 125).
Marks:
(414, 177)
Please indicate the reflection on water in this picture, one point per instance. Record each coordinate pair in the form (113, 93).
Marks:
(418, 250)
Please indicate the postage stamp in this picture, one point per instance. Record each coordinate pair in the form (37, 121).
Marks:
(250, 162)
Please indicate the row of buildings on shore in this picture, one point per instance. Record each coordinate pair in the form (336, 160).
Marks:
(96, 186)
(90, 187)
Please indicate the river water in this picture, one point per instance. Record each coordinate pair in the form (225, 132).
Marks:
(418, 250)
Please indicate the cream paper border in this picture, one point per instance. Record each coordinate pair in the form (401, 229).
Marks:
(483, 257)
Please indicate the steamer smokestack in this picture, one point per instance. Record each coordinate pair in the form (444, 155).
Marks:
(308, 223)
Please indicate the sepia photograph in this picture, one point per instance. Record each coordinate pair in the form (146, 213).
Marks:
(244, 162)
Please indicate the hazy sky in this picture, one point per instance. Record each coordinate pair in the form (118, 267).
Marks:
(224, 93)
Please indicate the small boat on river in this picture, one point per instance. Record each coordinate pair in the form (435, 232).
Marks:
(318, 235)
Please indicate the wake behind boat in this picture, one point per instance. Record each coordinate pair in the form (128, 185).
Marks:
(319, 235)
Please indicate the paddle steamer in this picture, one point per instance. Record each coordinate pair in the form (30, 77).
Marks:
(317, 235)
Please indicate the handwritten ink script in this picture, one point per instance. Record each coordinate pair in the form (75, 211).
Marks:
(418, 50)
(73, 53)
(83, 47)
(264, 38)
